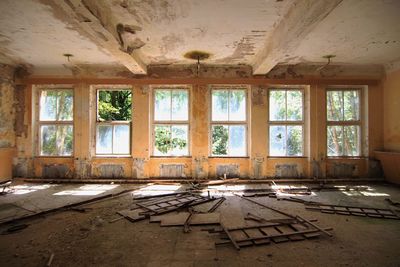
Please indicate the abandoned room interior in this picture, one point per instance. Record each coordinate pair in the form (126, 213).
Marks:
(200, 133)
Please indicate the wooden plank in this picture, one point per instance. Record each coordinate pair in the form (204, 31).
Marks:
(180, 218)
(230, 237)
(315, 226)
(132, 215)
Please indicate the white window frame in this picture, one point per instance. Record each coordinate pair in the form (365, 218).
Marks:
(41, 123)
(286, 122)
(113, 123)
(343, 122)
(229, 123)
(171, 122)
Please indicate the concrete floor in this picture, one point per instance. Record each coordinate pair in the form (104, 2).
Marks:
(88, 239)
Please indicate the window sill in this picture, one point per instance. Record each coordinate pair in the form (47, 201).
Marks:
(345, 157)
(287, 157)
(52, 157)
(169, 157)
(229, 157)
(112, 156)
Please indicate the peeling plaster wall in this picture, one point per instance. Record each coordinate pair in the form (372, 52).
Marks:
(390, 158)
(391, 112)
(7, 121)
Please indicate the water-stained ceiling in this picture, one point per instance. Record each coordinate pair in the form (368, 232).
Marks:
(139, 33)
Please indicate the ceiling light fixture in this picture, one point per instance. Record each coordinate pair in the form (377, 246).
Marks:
(68, 56)
(328, 57)
(197, 55)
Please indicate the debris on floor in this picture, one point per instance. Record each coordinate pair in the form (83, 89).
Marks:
(355, 211)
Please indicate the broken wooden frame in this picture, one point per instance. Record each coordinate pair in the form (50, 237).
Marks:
(146, 209)
(355, 211)
(263, 234)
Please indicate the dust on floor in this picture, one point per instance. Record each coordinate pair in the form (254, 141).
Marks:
(89, 239)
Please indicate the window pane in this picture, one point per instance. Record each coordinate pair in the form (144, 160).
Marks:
(180, 108)
(104, 139)
(334, 102)
(335, 140)
(162, 106)
(179, 141)
(237, 105)
(162, 140)
(219, 140)
(294, 105)
(48, 105)
(220, 105)
(351, 141)
(121, 139)
(351, 102)
(115, 105)
(56, 140)
(277, 143)
(277, 106)
(237, 140)
(294, 141)
(65, 104)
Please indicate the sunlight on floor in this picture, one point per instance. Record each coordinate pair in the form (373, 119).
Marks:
(157, 189)
(25, 189)
(87, 190)
(361, 191)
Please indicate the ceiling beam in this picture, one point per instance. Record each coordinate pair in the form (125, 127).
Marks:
(303, 16)
(76, 13)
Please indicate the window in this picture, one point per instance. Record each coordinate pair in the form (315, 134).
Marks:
(171, 122)
(286, 122)
(114, 114)
(228, 122)
(343, 122)
(56, 122)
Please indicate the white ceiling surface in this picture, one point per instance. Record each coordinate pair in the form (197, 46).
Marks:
(233, 31)
(30, 32)
(357, 31)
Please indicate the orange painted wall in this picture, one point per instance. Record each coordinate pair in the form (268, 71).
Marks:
(258, 164)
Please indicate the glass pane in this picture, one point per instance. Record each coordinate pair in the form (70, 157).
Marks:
(277, 141)
(294, 105)
(237, 105)
(162, 140)
(334, 102)
(277, 105)
(219, 140)
(294, 140)
(237, 140)
(351, 141)
(180, 104)
(48, 105)
(104, 139)
(115, 105)
(351, 103)
(335, 140)
(179, 140)
(162, 105)
(65, 140)
(65, 105)
(56, 140)
(121, 139)
(220, 105)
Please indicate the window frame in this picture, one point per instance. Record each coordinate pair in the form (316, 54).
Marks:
(286, 122)
(343, 122)
(40, 123)
(113, 123)
(244, 123)
(171, 122)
